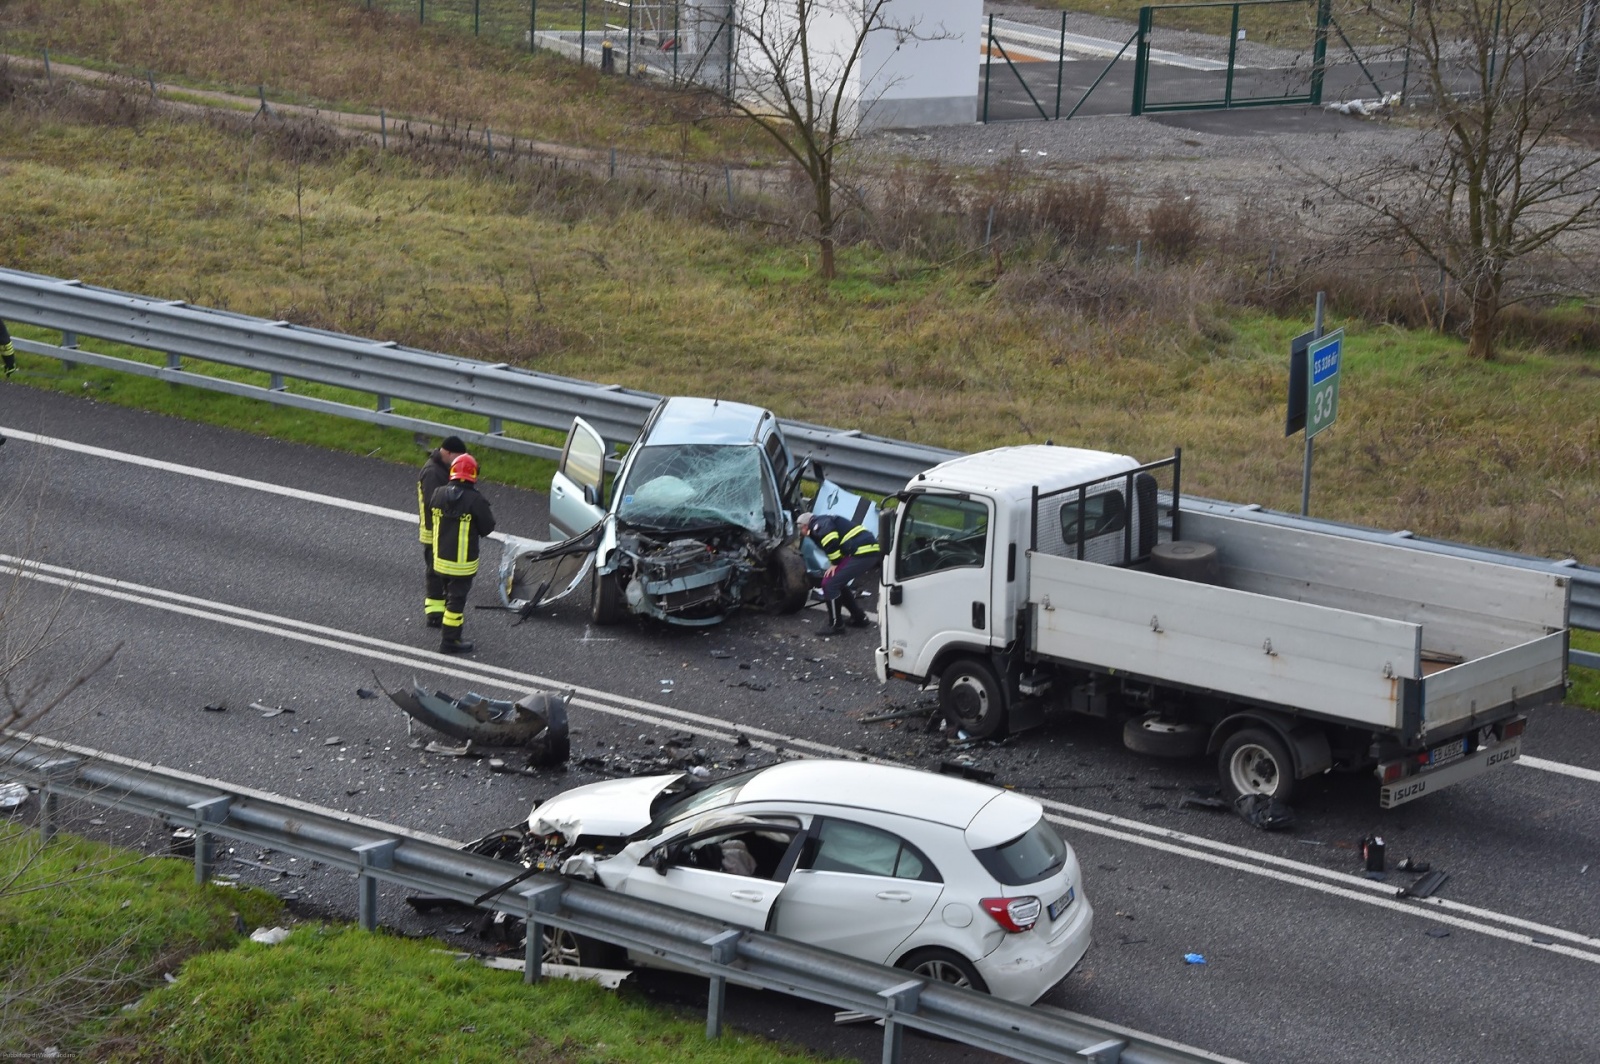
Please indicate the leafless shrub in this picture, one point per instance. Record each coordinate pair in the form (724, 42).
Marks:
(1175, 225)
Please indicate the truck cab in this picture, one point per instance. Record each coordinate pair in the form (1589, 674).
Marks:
(956, 576)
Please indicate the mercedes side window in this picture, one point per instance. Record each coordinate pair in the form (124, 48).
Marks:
(843, 846)
(938, 532)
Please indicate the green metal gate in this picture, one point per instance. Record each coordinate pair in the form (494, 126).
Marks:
(1229, 22)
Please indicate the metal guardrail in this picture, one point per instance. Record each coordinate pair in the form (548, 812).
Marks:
(376, 852)
(505, 393)
(388, 371)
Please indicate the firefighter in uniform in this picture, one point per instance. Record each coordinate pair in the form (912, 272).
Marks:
(435, 475)
(852, 551)
(8, 354)
(461, 517)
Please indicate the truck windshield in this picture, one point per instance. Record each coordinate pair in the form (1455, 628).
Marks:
(941, 532)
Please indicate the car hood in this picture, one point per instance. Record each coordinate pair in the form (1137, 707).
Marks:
(611, 807)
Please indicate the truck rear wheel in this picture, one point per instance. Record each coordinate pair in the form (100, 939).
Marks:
(971, 697)
(1255, 761)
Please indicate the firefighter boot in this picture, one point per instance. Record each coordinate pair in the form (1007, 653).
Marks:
(435, 620)
(452, 643)
(858, 616)
(835, 625)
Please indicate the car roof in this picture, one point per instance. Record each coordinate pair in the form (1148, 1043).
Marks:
(905, 792)
(688, 419)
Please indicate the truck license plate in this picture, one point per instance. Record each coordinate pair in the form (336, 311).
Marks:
(1440, 755)
(1059, 906)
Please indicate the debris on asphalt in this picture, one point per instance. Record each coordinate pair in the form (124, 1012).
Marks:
(332, 740)
(270, 711)
(454, 751)
(721, 655)
(1265, 813)
(966, 769)
(1408, 864)
(537, 721)
(1438, 932)
(1194, 958)
(362, 692)
(12, 795)
(1195, 801)
(216, 707)
(898, 714)
(1372, 852)
(1425, 886)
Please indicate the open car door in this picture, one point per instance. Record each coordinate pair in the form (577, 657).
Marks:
(832, 499)
(577, 491)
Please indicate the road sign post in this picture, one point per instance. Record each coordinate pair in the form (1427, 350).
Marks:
(1314, 361)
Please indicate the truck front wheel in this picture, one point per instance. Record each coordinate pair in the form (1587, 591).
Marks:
(971, 697)
(1255, 761)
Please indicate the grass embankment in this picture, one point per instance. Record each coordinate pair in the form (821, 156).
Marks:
(86, 929)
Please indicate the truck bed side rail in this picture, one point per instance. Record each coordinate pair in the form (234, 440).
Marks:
(1112, 520)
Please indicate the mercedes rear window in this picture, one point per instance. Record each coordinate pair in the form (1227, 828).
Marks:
(1037, 854)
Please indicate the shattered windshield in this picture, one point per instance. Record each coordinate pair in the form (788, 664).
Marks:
(686, 486)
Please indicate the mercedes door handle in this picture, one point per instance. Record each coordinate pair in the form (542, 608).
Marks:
(894, 895)
(748, 895)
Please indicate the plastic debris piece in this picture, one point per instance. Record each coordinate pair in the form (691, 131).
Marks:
(1194, 958)
(12, 795)
(1425, 886)
(1265, 813)
(332, 740)
(454, 751)
(270, 936)
(362, 692)
(721, 654)
(1191, 801)
(217, 707)
(1409, 865)
(1372, 852)
(966, 770)
(1438, 932)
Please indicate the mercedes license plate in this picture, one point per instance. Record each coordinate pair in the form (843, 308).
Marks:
(1059, 906)
(1440, 755)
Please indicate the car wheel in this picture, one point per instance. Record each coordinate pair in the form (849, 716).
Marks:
(788, 572)
(1157, 737)
(971, 696)
(605, 602)
(943, 966)
(567, 949)
(1254, 761)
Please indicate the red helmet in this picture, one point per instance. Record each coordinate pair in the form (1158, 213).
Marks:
(465, 467)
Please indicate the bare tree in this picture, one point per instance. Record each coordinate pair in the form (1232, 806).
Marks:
(1493, 183)
(809, 73)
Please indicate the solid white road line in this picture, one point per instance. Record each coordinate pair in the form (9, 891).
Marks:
(406, 515)
(1238, 858)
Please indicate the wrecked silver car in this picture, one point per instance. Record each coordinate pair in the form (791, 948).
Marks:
(699, 521)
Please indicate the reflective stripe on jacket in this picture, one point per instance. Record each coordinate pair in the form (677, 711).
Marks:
(460, 518)
(435, 475)
(840, 539)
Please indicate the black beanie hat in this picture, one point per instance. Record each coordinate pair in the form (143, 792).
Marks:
(454, 445)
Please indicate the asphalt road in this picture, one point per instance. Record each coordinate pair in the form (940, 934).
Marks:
(221, 593)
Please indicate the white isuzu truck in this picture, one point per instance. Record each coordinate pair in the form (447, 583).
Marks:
(1033, 577)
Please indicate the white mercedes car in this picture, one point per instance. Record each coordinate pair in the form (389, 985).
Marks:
(954, 880)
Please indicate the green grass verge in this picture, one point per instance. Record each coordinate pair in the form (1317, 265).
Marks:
(86, 929)
(1585, 689)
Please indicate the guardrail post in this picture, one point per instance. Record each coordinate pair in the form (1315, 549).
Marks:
(174, 361)
(69, 341)
(901, 998)
(49, 801)
(724, 948)
(210, 811)
(277, 384)
(371, 855)
(385, 404)
(1107, 1052)
(541, 898)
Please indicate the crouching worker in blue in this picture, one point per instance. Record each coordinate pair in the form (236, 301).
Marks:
(461, 517)
(852, 553)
